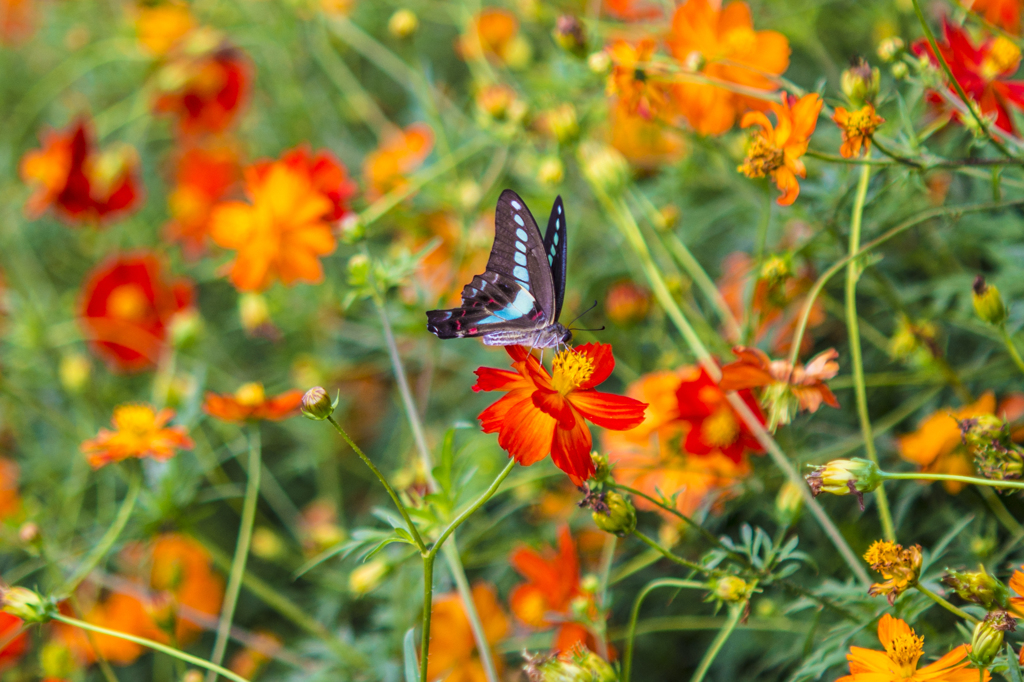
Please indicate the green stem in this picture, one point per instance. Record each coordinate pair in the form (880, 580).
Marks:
(1011, 347)
(945, 604)
(413, 531)
(970, 480)
(853, 271)
(604, 573)
(692, 565)
(749, 323)
(428, 606)
(1001, 512)
(480, 501)
(252, 492)
(110, 537)
(627, 657)
(156, 646)
(735, 613)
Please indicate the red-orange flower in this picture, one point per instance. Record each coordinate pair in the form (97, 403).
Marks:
(398, 155)
(183, 568)
(634, 81)
(250, 402)
(732, 51)
(1003, 13)
(15, 643)
(328, 175)
(632, 10)
(126, 308)
(982, 71)
(1017, 585)
(79, 182)
(205, 93)
(452, 654)
(204, 176)
(547, 413)
(282, 233)
(788, 388)
(776, 150)
(714, 425)
(552, 585)
(10, 499)
(858, 127)
(17, 19)
(139, 431)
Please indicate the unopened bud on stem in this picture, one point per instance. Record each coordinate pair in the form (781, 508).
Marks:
(316, 404)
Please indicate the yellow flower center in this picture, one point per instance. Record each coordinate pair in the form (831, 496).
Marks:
(721, 428)
(883, 552)
(250, 394)
(570, 370)
(763, 157)
(127, 302)
(1003, 57)
(135, 420)
(863, 122)
(904, 650)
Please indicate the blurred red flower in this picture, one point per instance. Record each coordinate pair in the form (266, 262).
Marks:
(328, 175)
(10, 498)
(982, 71)
(139, 431)
(632, 10)
(14, 643)
(250, 402)
(204, 176)
(17, 19)
(81, 184)
(714, 425)
(398, 155)
(1003, 13)
(126, 308)
(205, 93)
(545, 413)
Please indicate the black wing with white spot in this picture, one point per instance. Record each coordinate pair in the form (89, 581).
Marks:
(556, 248)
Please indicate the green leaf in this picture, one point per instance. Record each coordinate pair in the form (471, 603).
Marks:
(412, 672)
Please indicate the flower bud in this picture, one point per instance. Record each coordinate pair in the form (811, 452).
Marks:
(254, 311)
(788, 503)
(192, 676)
(616, 515)
(844, 477)
(403, 23)
(352, 229)
(729, 588)
(26, 604)
(602, 469)
(890, 48)
(185, 328)
(560, 123)
(978, 587)
(900, 70)
(603, 166)
(367, 577)
(860, 83)
(74, 372)
(570, 35)
(29, 533)
(56, 660)
(577, 665)
(266, 544)
(316, 404)
(988, 637)
(988, 303)
(599, 62)
(359, 270)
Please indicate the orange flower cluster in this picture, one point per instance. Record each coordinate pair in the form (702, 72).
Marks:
(545, 413)
(635, 83)
(139, 431)
(83, 185)
(250, 403)
(205, 175)
(775, 150)
(127, 308)
(452, 653)
(398, 155)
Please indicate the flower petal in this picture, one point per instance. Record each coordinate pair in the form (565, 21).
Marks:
(608, 410)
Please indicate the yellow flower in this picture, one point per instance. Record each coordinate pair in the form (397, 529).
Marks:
(900, 567)
(858, 127)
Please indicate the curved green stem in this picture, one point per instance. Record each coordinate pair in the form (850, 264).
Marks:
(487, 494)
(384, 482)
(634, 614)
(428, 607)
(686, 563)
(735, 614)
(1011, 347)
(945, 604)
(252, 493)
(970, 480)
(156, 646)
(853, 271)
(111, 536)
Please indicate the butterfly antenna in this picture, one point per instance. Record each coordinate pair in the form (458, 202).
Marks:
(582, 314)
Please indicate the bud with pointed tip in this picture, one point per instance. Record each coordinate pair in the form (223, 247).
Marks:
(26, 604)
(988, 637)
(860, 83)
(978, 587)
(988, 303)
(845, 477)
(316, 404)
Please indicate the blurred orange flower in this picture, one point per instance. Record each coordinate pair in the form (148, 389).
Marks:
(250, 403)
(10, 499)
(634, 81)
(1003, 13)
(545, 413)
(858, 127)
(139, 431)
(328, 175)
(159, 27)
(126, 308)
(492, 33)
(456, 258)
(205, 93)
(281, 234)
(15, 643)
(776, 150)
(552, 584)
(204, 176)
(731, 51)
(626, 302)
(318, 526)
(398, 155)
(80, 183)
(714, 427)
(1017, 585)
(17, 20)
(632, 10)
(937, 445)
(248, 662)
(118, 611)
(452, 654)
(183, 568)
(645, 144)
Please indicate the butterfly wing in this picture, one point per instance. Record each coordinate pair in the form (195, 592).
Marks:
(556, 248)
(516, 292)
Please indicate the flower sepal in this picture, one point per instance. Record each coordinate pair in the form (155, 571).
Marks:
(845, 477)
(978, 587)
(27, 604)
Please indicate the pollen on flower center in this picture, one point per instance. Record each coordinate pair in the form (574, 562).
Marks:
(127, 302)
(570, 370)
(904, 650)
(250, 394)
(721, 428)
(1003, 56)
(882, 552)
(763, 157)
(138, 420)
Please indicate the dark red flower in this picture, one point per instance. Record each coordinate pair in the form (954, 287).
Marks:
(126, 308)
(205, 93)
(714, 425)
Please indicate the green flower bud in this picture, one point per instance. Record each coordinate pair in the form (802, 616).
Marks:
(359, 270)
(403, 23)
(602, 469)
(578, 665)
(316, 405)
(890, 48)
(26, 604)
(570, 35)
(603, 166)
(845, 477)
(860, 83)
(988, 303)
(978, 587)
(729, 588)
(988, 636)
(613, 513)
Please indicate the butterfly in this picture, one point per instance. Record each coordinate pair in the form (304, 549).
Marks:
(518, 298)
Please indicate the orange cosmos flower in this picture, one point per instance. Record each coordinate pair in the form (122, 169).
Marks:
(645, 144)
(858, 127)
(139, 431)
(714, 425)
(204, 92)
(547, 413)
(281, 234)
(251, 660)
(181, 567)
(452, 654)
(328, 175)
(204, 176)
(80, 183)
(732, 51)
(118, 611)
(626, 302)
(776, 150)
(898, 663)
(10, 499)
(1017, 585)
(1003, 13)
(787, 388)
(398, 155)
(250, 403)
(126, 308)
(492, 33)
(161, 26)
(634, 81)
(937, 445)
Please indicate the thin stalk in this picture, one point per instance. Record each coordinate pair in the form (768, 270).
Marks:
(686, 563)
(413, 531)
(857, 358)
(110, 537)
(735, 613)
(634, 614)
(428, 607)
(1001, 512)
(945, 604)
(156, 646)
(762, 240)
(487, 494)
(252, 494)
(1011, 347)
(970, 480)
(607, 558)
